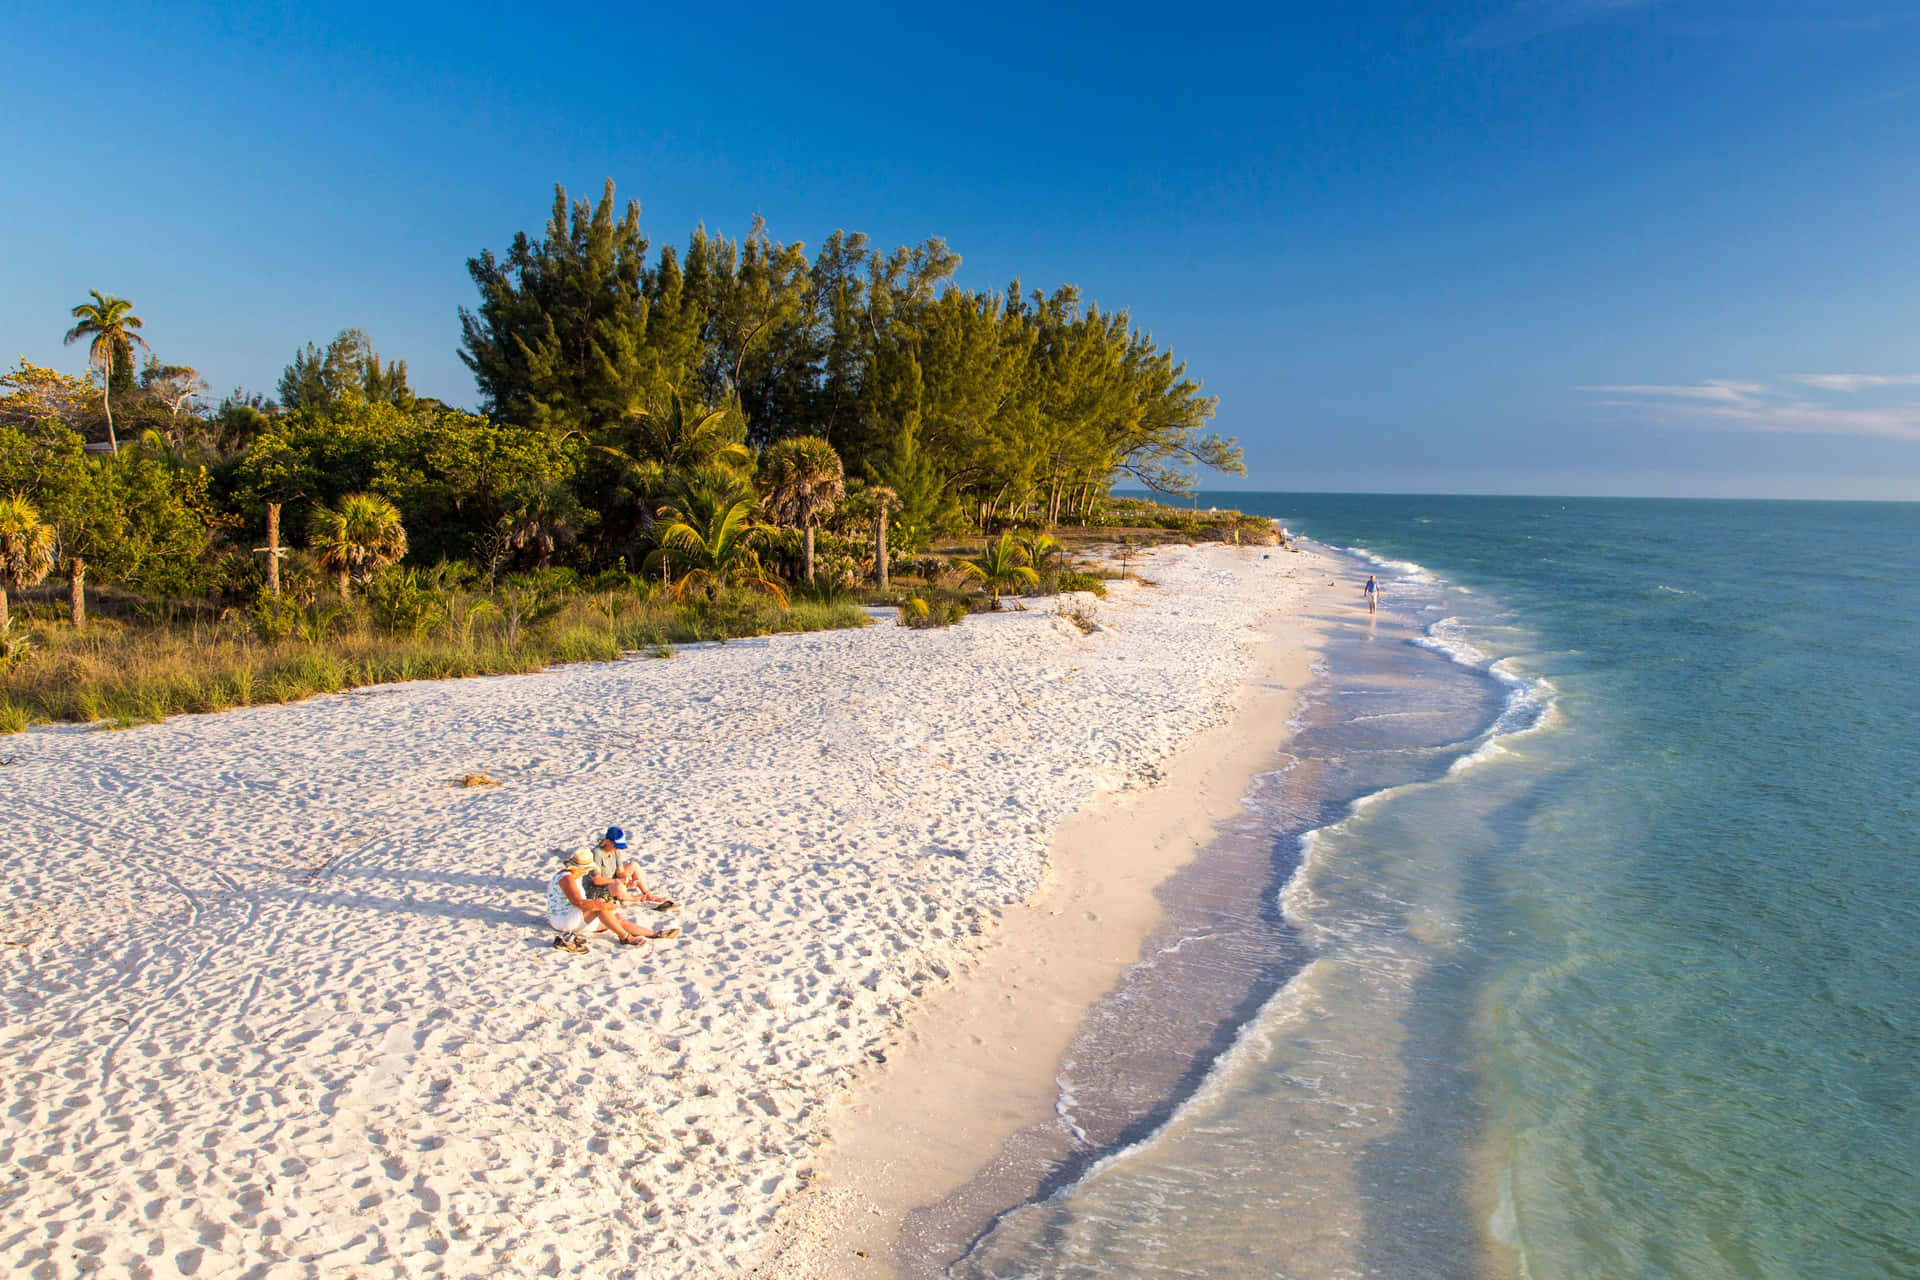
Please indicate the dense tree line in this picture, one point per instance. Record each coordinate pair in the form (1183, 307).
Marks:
(706, 415)
(972, 406)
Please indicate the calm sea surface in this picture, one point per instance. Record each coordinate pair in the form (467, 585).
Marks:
(1595, 919)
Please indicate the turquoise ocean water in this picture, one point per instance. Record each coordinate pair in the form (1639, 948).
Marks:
(1595, 918)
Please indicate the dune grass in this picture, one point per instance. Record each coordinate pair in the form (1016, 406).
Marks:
(122, 672)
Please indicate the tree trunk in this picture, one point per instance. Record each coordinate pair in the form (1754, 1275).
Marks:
(880, 548)
(809, 555)
(5, 622)
(273, 550)
(106, 401)
(343, 584)
(77, 592)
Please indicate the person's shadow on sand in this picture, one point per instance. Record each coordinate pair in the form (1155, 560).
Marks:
(448, 909)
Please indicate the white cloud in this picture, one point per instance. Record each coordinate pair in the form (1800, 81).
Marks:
(1732, 392)
(1757, 406)
(1856, 381)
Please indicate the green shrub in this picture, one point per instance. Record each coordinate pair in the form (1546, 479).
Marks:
(13, 719)
(922, 614)
(1075, 580)
(401, 604)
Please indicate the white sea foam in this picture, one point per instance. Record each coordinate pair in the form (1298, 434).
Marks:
(1065, 1101)
(1486, 751)
(1448, 637)
(1296, 898)
(1406, 569)
(1530, 699)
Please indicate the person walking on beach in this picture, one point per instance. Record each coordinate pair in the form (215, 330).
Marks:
(1372, 592)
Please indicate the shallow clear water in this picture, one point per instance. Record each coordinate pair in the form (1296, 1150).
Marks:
(1607, 945)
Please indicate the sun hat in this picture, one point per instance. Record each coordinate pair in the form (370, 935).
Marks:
(582, 857)
(616, 837)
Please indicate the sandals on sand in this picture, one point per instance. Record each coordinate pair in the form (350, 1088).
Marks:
(636, 940)
(571, 943)
(663, 904)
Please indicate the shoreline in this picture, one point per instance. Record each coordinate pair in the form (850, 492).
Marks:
(938, 1139)
(303, 949)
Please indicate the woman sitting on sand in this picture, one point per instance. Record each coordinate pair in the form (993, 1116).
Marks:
(570, 907)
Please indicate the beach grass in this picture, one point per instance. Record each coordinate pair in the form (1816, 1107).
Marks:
(123, 672)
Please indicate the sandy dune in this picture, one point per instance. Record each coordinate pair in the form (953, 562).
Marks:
(279, 1001)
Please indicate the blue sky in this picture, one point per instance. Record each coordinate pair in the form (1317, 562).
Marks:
(1561, 246)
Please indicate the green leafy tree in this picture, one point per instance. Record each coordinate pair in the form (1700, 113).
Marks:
(349, 370)
(357, 539)
(26, 552)
(559, 340)
(32, 395)
(975, 407)
(113, 328)
(804, 480)
(134, 518)
(483, 477)
(1002, 566)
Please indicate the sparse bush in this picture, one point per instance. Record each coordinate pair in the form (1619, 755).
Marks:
(1076, 580)
(923, 614)
(1079, 614)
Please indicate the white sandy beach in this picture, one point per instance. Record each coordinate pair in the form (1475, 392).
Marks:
(280, 1001)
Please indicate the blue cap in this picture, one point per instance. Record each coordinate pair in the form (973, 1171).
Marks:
(616, 837)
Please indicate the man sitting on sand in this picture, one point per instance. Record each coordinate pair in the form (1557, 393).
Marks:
(621, 880)
(572, 906)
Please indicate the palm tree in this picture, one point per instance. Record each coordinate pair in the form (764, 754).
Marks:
(680, 441)
(546, 518)
(358, 540)
(1001, 565)
(707, 529)
(111, 324)
(1039, 547)
(885, 503)
(661, 447)
(26, 551)
(804, 480)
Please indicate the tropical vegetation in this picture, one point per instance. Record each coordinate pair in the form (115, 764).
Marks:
(730, 437)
